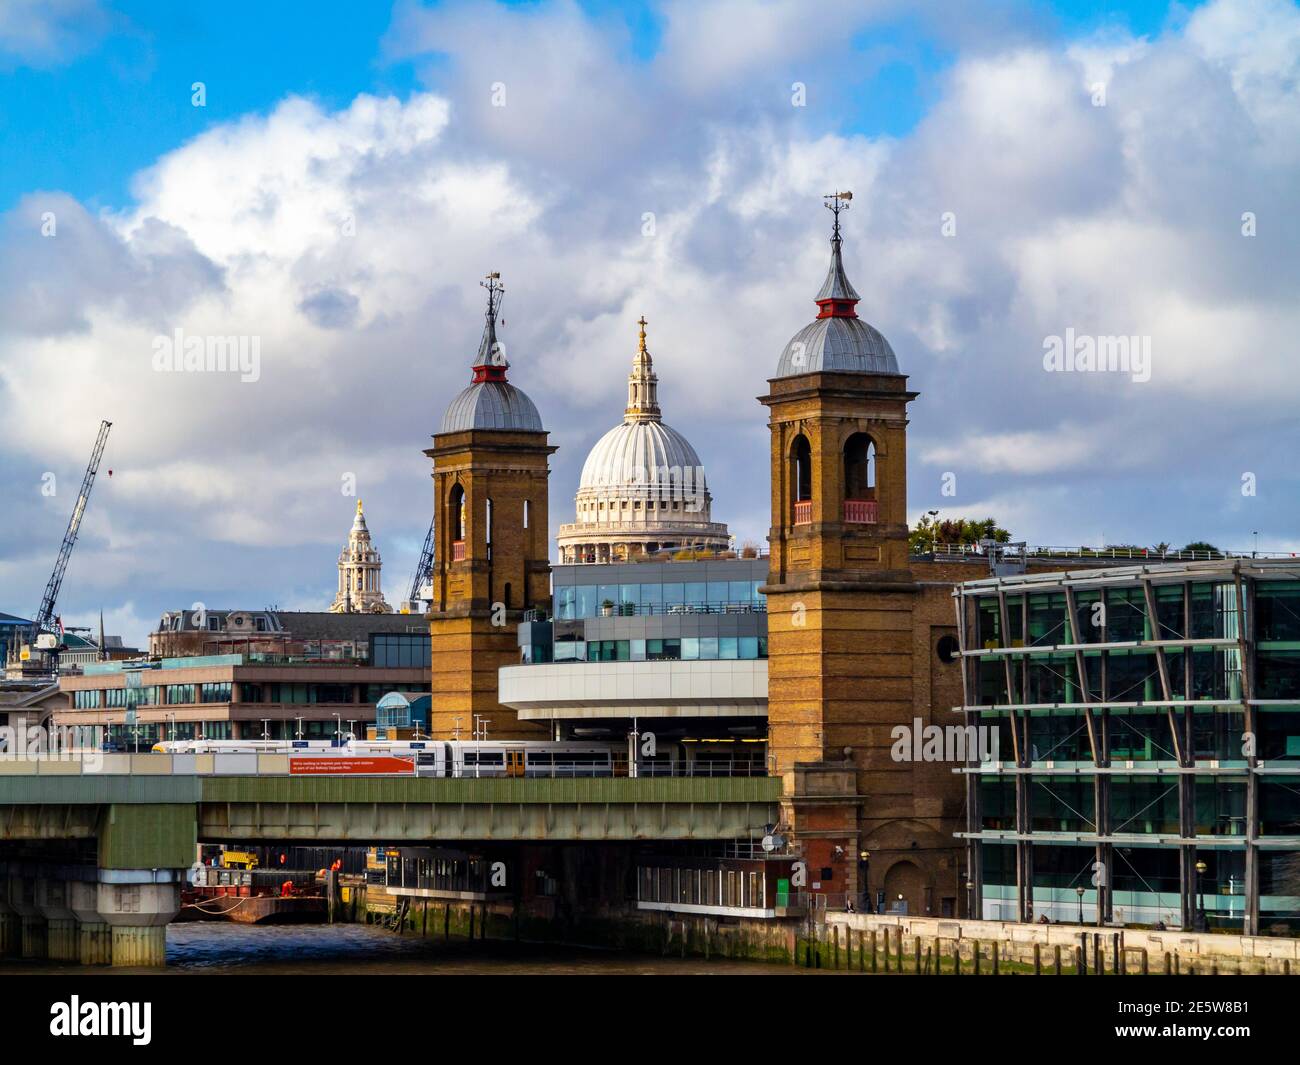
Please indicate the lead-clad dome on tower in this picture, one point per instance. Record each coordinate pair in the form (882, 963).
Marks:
(491, 405)
(837, 340)
(490, 401)
(643, 487)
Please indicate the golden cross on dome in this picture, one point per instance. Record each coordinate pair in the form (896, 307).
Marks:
(641, 322)
(358, 506)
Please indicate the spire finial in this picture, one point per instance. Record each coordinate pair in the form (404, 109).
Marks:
(491, 365)
(837, 296)
(642, 384)
(358, 505)
(836, 202)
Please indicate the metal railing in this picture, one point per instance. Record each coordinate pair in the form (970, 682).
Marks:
(458, 551)
(675, 768)
(678, 768)
(1136, 553)
(625, 610)
(803, 512)
(860, 511)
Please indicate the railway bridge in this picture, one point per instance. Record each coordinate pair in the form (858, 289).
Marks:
(94, 850)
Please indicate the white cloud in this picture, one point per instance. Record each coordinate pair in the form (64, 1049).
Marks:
(47, 33)
(349, 243)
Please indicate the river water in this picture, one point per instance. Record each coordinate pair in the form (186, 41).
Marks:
(357, 950)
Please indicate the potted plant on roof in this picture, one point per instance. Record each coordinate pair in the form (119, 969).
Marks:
(607, 608)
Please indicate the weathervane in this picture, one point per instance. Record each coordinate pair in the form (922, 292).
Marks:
(835, 203)
(495, 291)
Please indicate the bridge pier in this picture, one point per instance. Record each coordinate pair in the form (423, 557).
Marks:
(60, 921)
(137, 905)
(94, 934)
(31, 924)
(10, 928)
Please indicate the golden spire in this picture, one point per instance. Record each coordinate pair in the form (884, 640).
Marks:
(358, 506)
(642, 384)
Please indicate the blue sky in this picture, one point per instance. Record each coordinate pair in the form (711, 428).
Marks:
(349, 181)
(86, 123)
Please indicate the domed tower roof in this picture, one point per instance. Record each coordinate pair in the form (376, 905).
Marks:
(490, 401)
(837, 340)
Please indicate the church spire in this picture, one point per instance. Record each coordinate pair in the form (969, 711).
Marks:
(837, 296)
(490, 363)
(642, 384)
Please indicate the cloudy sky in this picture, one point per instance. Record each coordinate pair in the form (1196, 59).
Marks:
(1021, 171)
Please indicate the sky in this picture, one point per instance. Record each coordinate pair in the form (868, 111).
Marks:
(331, 180)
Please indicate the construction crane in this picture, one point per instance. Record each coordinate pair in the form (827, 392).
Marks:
(423, 569)
(44, 621)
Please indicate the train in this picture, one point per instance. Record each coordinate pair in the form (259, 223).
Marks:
(503, 758)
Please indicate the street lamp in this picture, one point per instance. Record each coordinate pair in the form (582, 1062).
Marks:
(1200, 922)
(1079, 891)
(970, 899)
(864, 859)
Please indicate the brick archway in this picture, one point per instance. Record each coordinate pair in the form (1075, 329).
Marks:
(905, 878)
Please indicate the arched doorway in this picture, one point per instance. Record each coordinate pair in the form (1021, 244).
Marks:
(906, 880)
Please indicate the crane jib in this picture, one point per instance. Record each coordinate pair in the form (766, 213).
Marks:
(45, 615)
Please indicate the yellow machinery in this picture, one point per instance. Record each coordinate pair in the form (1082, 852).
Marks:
(238, 860)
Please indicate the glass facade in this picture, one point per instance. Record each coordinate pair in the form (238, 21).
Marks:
(574, 601)
(1149, 705)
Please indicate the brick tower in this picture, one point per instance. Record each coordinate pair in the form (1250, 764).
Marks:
(840, 592)
(490, 472)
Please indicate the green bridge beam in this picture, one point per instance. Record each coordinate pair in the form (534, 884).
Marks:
(172, 811)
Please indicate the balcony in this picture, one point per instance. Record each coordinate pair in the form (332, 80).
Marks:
(803, 512)
(860, 511)
(458, 551)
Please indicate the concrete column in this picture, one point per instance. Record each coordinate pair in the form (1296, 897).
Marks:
(138, 913)
(10, 927)
(22, 900)
(60, 921)
(94, 934)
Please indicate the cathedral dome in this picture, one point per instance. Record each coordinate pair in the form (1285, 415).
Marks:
(837, 340)
(642, 488)
(636, 456)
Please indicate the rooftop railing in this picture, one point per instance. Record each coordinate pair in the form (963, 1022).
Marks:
(1120, 553)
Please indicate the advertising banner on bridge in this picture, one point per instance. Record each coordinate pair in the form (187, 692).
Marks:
(326, 765)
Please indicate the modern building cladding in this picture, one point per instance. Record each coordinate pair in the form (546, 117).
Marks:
(241, 696)
(669, 640)
(1147, 730)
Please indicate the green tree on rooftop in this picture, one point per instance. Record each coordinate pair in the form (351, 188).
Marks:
(928, 532)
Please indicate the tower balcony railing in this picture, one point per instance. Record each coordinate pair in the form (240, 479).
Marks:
(803, 512)
(458, 551)
(860, 511)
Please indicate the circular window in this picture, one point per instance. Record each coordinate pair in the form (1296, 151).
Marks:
(948, 649)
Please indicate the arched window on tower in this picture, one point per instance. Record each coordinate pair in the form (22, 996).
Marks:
(801, 480)
(456, 514)
(860, 480)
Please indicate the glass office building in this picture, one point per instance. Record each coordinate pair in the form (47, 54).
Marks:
(1145, 729)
